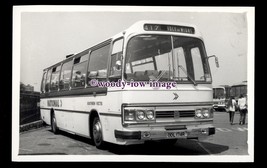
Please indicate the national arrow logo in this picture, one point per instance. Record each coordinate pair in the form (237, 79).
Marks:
(175, 96)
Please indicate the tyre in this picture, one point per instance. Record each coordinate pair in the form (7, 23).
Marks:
(98, 134)
(54, 124)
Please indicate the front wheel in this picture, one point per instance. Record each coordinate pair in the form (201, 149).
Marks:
(97, 134)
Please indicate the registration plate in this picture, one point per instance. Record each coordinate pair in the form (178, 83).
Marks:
(180, 134)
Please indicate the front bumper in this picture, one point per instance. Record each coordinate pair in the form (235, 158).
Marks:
(157, 135)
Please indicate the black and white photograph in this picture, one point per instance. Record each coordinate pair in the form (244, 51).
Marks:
(133, 83)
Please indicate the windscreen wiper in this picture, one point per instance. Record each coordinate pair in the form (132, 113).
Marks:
(160, 75)
(191, 79)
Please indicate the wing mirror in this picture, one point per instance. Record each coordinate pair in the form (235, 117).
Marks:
(216, 60)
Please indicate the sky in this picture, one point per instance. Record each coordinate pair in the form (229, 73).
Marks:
(46, 37)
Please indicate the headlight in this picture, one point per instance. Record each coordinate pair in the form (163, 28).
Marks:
(150, 114)
(140, 115)
(203, 113)
(198, 113)
(206, 113)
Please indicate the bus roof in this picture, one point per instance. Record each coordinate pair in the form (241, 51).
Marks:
(221, 86)
(243, 83)
(166, 27)
(177, 28)
(216, 87)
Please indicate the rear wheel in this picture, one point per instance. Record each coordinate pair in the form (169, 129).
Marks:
(54, 124)
(97, 133)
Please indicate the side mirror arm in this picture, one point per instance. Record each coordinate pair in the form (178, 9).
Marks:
(216, 60)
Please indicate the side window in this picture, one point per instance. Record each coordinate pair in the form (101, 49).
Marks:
(198, 64)
(98, 64)
(116, 64)
(79, 71)
(64, 82)
(47, 83)
(55, 78)
(43, 82)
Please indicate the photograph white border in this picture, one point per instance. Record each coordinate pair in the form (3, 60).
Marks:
(18, 10)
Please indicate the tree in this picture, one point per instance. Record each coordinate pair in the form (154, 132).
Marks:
(22, 86)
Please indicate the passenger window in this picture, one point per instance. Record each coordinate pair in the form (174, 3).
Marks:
(79, 71)
(55, 78)
(47, 83)
(98, 64)
(64, 82)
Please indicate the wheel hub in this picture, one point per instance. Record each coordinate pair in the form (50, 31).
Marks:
(97, 131)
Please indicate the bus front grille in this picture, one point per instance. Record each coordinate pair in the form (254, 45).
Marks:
(175, 114)
(164, 114)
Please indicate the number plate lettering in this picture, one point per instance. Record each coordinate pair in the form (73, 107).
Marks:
(176, 134)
